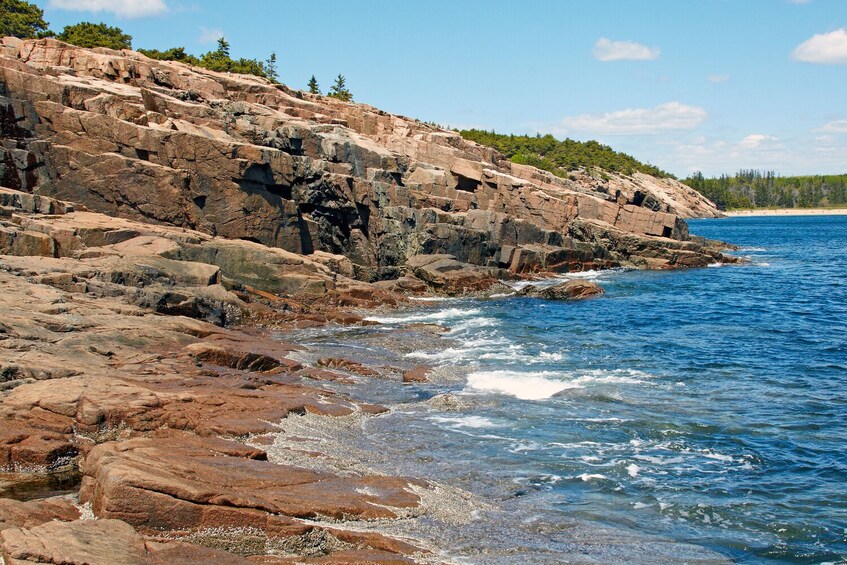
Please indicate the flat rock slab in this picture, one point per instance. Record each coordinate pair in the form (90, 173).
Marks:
(185, 483)
(18, 514)
(101, 542)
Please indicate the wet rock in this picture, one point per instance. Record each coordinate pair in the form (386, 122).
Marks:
(571, 290)
(347, 365)
(417, 374)
(183, 483)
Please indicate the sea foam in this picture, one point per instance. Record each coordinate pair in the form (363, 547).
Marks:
(526, 386)
(421, 317)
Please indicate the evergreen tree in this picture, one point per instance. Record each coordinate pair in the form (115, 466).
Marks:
(271, 69)
(219, 59)
(339, 89)
(313, 85)
(223, 47)
(87, 34)
(21, 19)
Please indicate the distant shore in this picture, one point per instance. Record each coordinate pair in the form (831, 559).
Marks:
(789, 212)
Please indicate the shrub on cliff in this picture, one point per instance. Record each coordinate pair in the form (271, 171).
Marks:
(172, 54)
(559, 157)
(21, 19)
(87, 34)
(218, 60)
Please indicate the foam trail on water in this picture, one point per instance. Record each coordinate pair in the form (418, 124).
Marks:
(418, 317)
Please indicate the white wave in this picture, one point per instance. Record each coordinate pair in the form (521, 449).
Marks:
(526, 386)
(545, 356)
(475, 422)
(613, 376)
(715, 265)
(633, 470)
(591, 476)
(524, 446)
(471, 324)
(431, 298)
(502, 295)
(418, 317)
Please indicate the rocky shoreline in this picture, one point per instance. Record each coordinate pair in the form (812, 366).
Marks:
(162, 225)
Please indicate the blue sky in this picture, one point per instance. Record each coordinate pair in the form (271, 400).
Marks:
(710, 85)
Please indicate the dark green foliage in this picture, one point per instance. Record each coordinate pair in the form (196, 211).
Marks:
(559, 157)
(339, 89)
(87, 34)
(755, 189)
(22, 19)
(172, 54)
(313, 85)
(223, 47)
(217, 60)
(271, 69)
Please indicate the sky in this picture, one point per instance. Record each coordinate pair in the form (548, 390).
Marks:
(687, 85)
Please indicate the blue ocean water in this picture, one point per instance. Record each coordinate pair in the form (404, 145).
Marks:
(687, 410)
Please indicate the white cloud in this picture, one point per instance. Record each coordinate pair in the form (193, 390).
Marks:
(607, 50)
(756, 141)
(835, 126)
(639, 121)
(209, 35)
(715, 79)
(824, 48)
(122, 8)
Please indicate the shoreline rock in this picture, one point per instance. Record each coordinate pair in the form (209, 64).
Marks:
(568, 290)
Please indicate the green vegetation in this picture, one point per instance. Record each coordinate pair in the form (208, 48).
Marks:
(218, 60)
(271, 68)
(339, 89)
(313, 85)
(21, 19)
(87, 34)
(755, 189)
(560, 157)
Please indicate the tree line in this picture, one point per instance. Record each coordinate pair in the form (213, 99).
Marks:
(561, 157)
(757, 189)
(26, 21)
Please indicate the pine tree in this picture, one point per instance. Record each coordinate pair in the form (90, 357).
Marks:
(87, 34)
(21, 19)
(313, 85)
(270, 68)
(339, 89)
(223, 47)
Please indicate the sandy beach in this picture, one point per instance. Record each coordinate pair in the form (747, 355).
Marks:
(789, 212)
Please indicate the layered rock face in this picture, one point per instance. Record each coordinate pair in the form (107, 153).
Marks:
(238, 157)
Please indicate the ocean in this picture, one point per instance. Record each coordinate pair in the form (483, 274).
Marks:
(695, 416)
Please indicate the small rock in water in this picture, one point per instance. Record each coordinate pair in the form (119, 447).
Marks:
(417, 375)
(570, 290)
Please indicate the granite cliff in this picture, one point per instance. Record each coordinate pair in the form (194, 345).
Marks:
(157, 221)
(238, 157)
